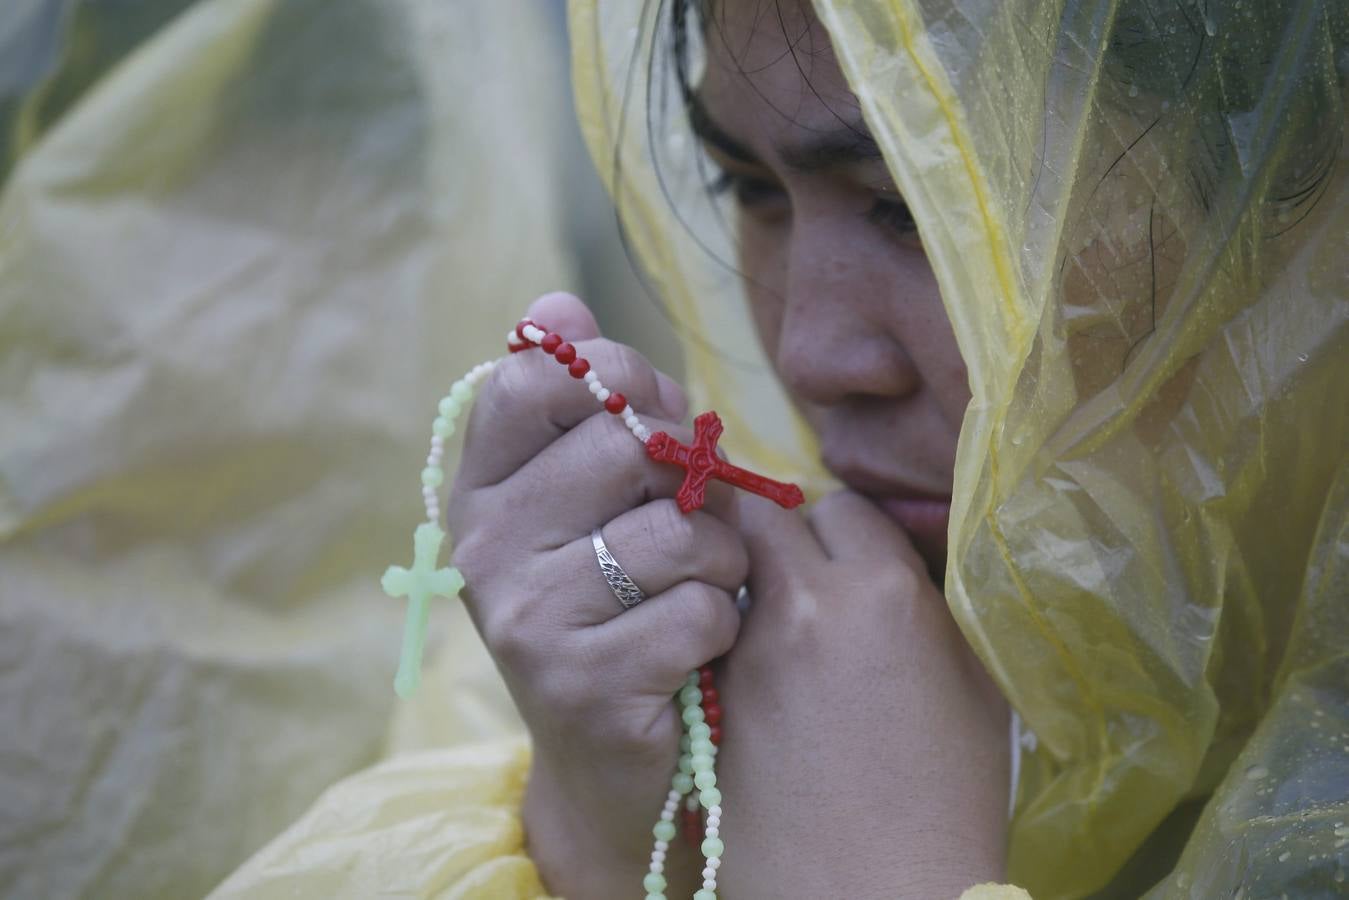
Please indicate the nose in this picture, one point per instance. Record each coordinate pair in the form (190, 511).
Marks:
(834, 345)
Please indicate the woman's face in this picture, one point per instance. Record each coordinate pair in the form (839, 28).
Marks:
(841, 293)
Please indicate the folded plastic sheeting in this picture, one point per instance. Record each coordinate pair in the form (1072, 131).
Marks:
(1139, 217)
(242, 250)
(441, 824)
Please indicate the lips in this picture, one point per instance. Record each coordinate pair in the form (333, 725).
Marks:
(925, 519)
(923, 514)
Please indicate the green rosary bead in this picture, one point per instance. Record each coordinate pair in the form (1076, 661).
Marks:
(692, 715)
(701, 762)
(690, 696)
(654, 897)
(709, 797)
(684, 743)
(461, 392)
(432, 476)
(701, 746)
(686, 763)
(654, 882)
(664, 831)
(713, 848)
(705, 779)
(705, 894)
(700, 732)
(449, 408)
(442, 427)
(682, 783)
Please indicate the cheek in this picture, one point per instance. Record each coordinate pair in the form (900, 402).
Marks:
(762, 262)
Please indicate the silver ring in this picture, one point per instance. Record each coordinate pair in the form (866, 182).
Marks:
(624, 588)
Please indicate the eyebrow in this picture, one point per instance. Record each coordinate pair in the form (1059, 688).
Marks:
(849, 144)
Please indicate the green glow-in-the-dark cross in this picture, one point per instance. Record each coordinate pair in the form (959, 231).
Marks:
(419, 584)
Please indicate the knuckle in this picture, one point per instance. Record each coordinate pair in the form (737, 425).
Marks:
(707, 613)
(629, 368)
(673, 534)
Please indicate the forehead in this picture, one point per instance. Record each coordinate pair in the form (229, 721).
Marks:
(771, 69)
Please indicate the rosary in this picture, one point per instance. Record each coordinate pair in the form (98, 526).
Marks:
(697, 700)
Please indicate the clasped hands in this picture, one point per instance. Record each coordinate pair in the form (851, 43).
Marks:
(865, 750)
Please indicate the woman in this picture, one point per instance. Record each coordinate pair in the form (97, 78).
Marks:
(1127, 303)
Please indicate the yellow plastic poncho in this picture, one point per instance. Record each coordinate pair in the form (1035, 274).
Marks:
(243, 245)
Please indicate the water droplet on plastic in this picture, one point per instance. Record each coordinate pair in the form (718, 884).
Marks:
(1255, 773)
(1210, 26)
(1302, 357)
(1133, 90)
(1285, 856)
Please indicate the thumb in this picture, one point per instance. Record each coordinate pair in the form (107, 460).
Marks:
(776, 538)
(564, 314)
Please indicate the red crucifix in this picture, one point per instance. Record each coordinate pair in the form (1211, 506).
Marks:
(702, 463)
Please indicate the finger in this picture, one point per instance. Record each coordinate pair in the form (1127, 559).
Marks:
(658, 547)
(775, 536)
(529, 401)
(590, 476)
(565, 314)
(851, 527)
(655, 645)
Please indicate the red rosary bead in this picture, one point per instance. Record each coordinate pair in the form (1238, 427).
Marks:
(551, 342)
(712, 714)
(705, 677)
(578, 368)
(565, 354)
(616, 403)
(709, 696)
(715, 737)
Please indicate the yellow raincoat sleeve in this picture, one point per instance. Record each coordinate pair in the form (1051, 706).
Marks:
(437, 824)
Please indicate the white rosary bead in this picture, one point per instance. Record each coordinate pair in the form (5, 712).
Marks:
(602, 394)
(591, 377)
(662, 846)
(713, 821)
(714, 811)
(658, 856)
(709, 875)
(657, 867)
(714, 863)
(631, 422)
(596, 387)
(712, 831)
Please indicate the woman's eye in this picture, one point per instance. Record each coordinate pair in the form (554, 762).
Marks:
(748, 191)
(894, 215)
